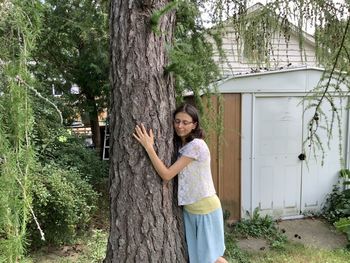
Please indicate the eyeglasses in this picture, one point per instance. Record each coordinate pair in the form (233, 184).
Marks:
(185, 123)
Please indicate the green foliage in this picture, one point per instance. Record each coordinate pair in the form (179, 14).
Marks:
(295, 252)
(159, 13)
(256, 34)
(233, 253)
(337, 204)
(329, 34)
(260, 227)
(97, 245)
(73, 49)
(68, 151)
(19, 25)
(191, 61)
(63, 202)
(73, 153)
(91, 248)
(54, 143)
(64, 199)
(191, 54)
(343, 225)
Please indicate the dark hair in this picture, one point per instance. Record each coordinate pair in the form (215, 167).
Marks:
(193, 112)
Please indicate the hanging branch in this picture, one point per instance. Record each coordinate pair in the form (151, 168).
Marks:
(18, 78)
(29, 206)
(315, 119)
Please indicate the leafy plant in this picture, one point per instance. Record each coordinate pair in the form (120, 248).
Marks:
(63, 202)
(96, 248)
(343, 225)
(54, 143)
(233, 253)
(337, 206)
(19, 25)
(260, 227)
(333, 208)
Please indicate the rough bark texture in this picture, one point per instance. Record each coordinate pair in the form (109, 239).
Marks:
(146, 223)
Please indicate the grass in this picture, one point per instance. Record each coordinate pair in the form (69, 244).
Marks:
(279, 249)
(90, 249)
(290, 253)
(298, 253)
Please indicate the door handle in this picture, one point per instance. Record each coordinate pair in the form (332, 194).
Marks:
(302, 157)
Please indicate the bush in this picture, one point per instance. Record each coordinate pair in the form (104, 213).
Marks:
(260, 227)
(336, 202)
(68, 151)
(63, 203)
(73, 153)
(337, 206)
(55, 143)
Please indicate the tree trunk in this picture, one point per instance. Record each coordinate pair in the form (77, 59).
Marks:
(94, 123)
(146, 223)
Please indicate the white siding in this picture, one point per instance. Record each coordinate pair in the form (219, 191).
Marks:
(281, 55)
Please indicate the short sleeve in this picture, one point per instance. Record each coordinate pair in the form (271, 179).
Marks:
(197, 149)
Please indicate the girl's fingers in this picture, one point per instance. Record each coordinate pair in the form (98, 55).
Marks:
(141, 132)
(136, 137)
(143, 129)
(138, 130)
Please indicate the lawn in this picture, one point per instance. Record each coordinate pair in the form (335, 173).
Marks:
(295, 253)
(91, 249)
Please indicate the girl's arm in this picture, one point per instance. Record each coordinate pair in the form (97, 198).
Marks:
(147, 141)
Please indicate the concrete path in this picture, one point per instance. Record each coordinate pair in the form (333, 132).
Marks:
(313, 232)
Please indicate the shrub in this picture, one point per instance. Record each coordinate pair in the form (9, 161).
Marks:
(343, 225)
(63, 203)
(260, 227)
(337, 206)
(68, 151)
(336, 202)
(73, 153)
(54, 143)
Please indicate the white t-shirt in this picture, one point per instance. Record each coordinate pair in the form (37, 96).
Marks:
(195, 180)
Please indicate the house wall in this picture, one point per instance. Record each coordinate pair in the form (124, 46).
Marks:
(281, 54)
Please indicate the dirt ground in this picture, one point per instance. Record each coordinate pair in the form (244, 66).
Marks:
(310, 232)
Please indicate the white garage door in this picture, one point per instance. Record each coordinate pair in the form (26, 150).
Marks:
(317, 179)
(278, 138)
(283, 185)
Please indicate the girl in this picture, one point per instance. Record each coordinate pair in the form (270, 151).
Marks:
(202, 211)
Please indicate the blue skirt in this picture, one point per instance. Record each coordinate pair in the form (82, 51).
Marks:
(205, 236)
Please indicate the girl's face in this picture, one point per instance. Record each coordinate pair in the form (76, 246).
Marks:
(184, 125)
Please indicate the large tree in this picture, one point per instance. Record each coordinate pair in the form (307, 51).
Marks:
(146, 223)
(73, 50)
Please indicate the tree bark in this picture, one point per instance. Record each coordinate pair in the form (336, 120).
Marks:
(146, 223)
(94, 122)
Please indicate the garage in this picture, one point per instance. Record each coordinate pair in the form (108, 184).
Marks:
(272, 164)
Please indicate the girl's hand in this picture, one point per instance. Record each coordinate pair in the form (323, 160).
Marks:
(141, 135)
